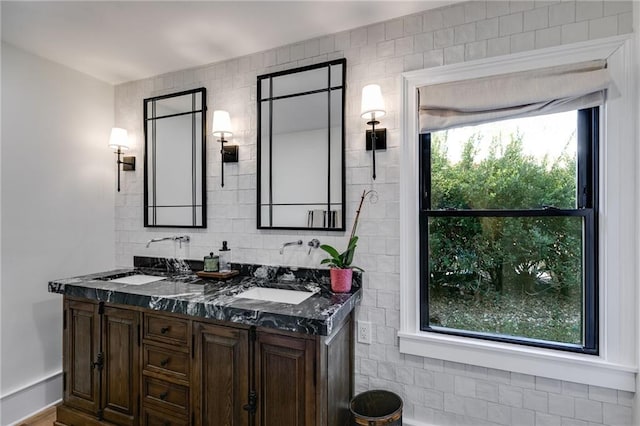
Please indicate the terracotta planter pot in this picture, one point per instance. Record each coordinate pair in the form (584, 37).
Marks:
(341, 280)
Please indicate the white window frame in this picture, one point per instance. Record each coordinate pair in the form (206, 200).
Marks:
(616, 365)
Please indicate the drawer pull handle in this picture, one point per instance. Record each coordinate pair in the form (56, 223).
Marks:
(164, 362)
(164, 395)
(164, 330)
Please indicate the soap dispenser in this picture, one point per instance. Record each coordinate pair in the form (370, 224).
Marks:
(224, 256)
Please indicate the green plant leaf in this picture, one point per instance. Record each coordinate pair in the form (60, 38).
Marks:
(348, 257)
(327, 260)
(332, 251)
(351, 249)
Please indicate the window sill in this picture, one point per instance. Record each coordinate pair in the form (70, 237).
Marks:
(578, 368)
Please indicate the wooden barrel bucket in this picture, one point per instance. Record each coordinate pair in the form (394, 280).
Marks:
(377, 408)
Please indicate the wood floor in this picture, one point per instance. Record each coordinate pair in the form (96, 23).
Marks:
(43, 418)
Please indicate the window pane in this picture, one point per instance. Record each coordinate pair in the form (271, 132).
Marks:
(514, 276)
(525, 163)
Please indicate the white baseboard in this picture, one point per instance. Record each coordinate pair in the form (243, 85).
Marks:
(24, 402)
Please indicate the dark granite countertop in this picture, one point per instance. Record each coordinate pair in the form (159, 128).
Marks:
(183, 292)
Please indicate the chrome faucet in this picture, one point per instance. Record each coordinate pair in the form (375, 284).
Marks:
(313, 244)
(179, 238)
(292, 243)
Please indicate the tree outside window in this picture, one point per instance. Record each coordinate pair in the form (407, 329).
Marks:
(508, 230)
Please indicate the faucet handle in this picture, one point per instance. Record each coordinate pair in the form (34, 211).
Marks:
(313, 244)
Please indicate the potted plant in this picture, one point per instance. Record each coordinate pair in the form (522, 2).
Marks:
(341, 271)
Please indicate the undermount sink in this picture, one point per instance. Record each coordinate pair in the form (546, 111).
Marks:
(138, 279)
(292, 297)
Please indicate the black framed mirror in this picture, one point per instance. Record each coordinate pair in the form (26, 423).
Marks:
(175, 193)
(301, 136)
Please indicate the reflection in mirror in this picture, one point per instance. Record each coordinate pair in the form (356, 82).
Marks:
(174, 184)
(301, 148)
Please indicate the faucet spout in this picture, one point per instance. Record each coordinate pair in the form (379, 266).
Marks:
(179, 238)
(292, 243)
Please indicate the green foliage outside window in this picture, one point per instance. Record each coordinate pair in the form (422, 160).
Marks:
(519, 276)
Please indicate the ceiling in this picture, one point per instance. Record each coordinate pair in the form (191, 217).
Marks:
(117, 41)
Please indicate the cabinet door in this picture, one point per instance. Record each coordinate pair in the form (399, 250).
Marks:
(285, 380)
(81, 341)
(121, 365)
(220, 375)
(338, 368)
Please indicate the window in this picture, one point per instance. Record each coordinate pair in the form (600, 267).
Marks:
(615, 365)
(508, 231)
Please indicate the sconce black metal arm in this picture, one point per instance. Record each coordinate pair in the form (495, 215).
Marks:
(372, 108)
(229, 154)
(119, 140)
(376, 139)
(222, 128)
(128, 164)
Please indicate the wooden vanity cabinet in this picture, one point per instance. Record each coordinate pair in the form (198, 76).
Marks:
(220, 375)
(285, 380)
(121, 348)
(167, 369)
(101, 364)
(81, 346)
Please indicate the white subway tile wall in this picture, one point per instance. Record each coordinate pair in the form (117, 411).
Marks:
(434, 391)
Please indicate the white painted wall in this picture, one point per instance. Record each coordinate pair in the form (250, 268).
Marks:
(58, 184)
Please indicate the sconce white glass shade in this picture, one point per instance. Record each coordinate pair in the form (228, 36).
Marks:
(372, 102)
(119, 139)
(221, 124)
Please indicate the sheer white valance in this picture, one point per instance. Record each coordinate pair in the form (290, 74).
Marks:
(534, 92)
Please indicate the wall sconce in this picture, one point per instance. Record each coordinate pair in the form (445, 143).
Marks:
(373, 108)
(222, 128)
(119, 140)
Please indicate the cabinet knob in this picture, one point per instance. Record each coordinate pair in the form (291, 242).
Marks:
(164, 362)
(164, 330)
(164, 395)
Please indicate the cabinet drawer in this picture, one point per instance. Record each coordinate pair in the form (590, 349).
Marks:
(167, 395)
(151, 417)
(166, 361)
(167, 330)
